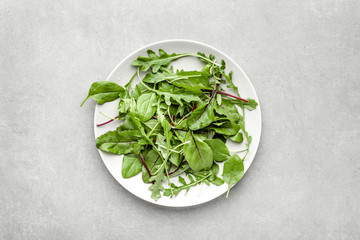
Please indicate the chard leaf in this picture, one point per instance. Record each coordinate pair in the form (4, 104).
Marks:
(233, 171)
(104, 91)
(155, 61)
(197, 153)
(131, 166)
(201, 117)
(119, 142)
(219, 149)
(146, 106)
(152, 161)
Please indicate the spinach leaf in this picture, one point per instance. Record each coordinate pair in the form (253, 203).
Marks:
(238, 137)
(119, 142)
(219, 149)
(233, 171)
(146, 106)
(131, 166)
(104, 91)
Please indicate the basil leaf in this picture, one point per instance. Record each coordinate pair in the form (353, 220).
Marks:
(233, 171)
(197, 153)
(146, 106)
(104, 91)
(131, 166)
(219, 149)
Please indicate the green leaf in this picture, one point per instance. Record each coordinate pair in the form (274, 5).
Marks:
(226, 128)
(192, 81)
(251, 104)
(166, 126)
(131, 166)
(153, 126)
(197, 153)
(213, 178)
(155, 61)
(247, 136)
(201, 117)
(104, 91)
(233, 171)
(177, 94)
(238, 137)
(219, 149)
(119, 142)
(146, 106)
(157, 187)
(185, 186)
(152, 161)
(228, 109)
(231, 84)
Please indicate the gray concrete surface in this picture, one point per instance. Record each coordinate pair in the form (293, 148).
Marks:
(302, 57)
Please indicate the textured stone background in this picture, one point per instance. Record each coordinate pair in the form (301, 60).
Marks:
(302, 58)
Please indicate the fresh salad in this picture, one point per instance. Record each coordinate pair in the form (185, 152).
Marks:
(175, 123)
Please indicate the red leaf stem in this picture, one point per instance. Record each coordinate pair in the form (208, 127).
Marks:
(101, 124)
(224, 93)
(147, 169)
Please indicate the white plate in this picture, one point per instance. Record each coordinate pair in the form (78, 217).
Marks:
(121, 75)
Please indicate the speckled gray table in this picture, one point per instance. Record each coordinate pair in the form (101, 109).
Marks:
(302, 58)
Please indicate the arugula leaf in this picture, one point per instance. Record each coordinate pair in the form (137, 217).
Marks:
(131, 166)
(193, 81)
(146, 106)
(157, 187)
(104, 91)
(154, 61)
(177, 94)
(233, 171)
(184, 186)
(197, 153)
(219, 149)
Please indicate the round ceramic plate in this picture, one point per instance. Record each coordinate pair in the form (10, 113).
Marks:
(121, 75)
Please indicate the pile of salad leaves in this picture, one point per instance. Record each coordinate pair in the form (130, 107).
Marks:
(175, 123)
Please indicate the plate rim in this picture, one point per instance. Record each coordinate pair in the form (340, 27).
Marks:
(210, 47)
